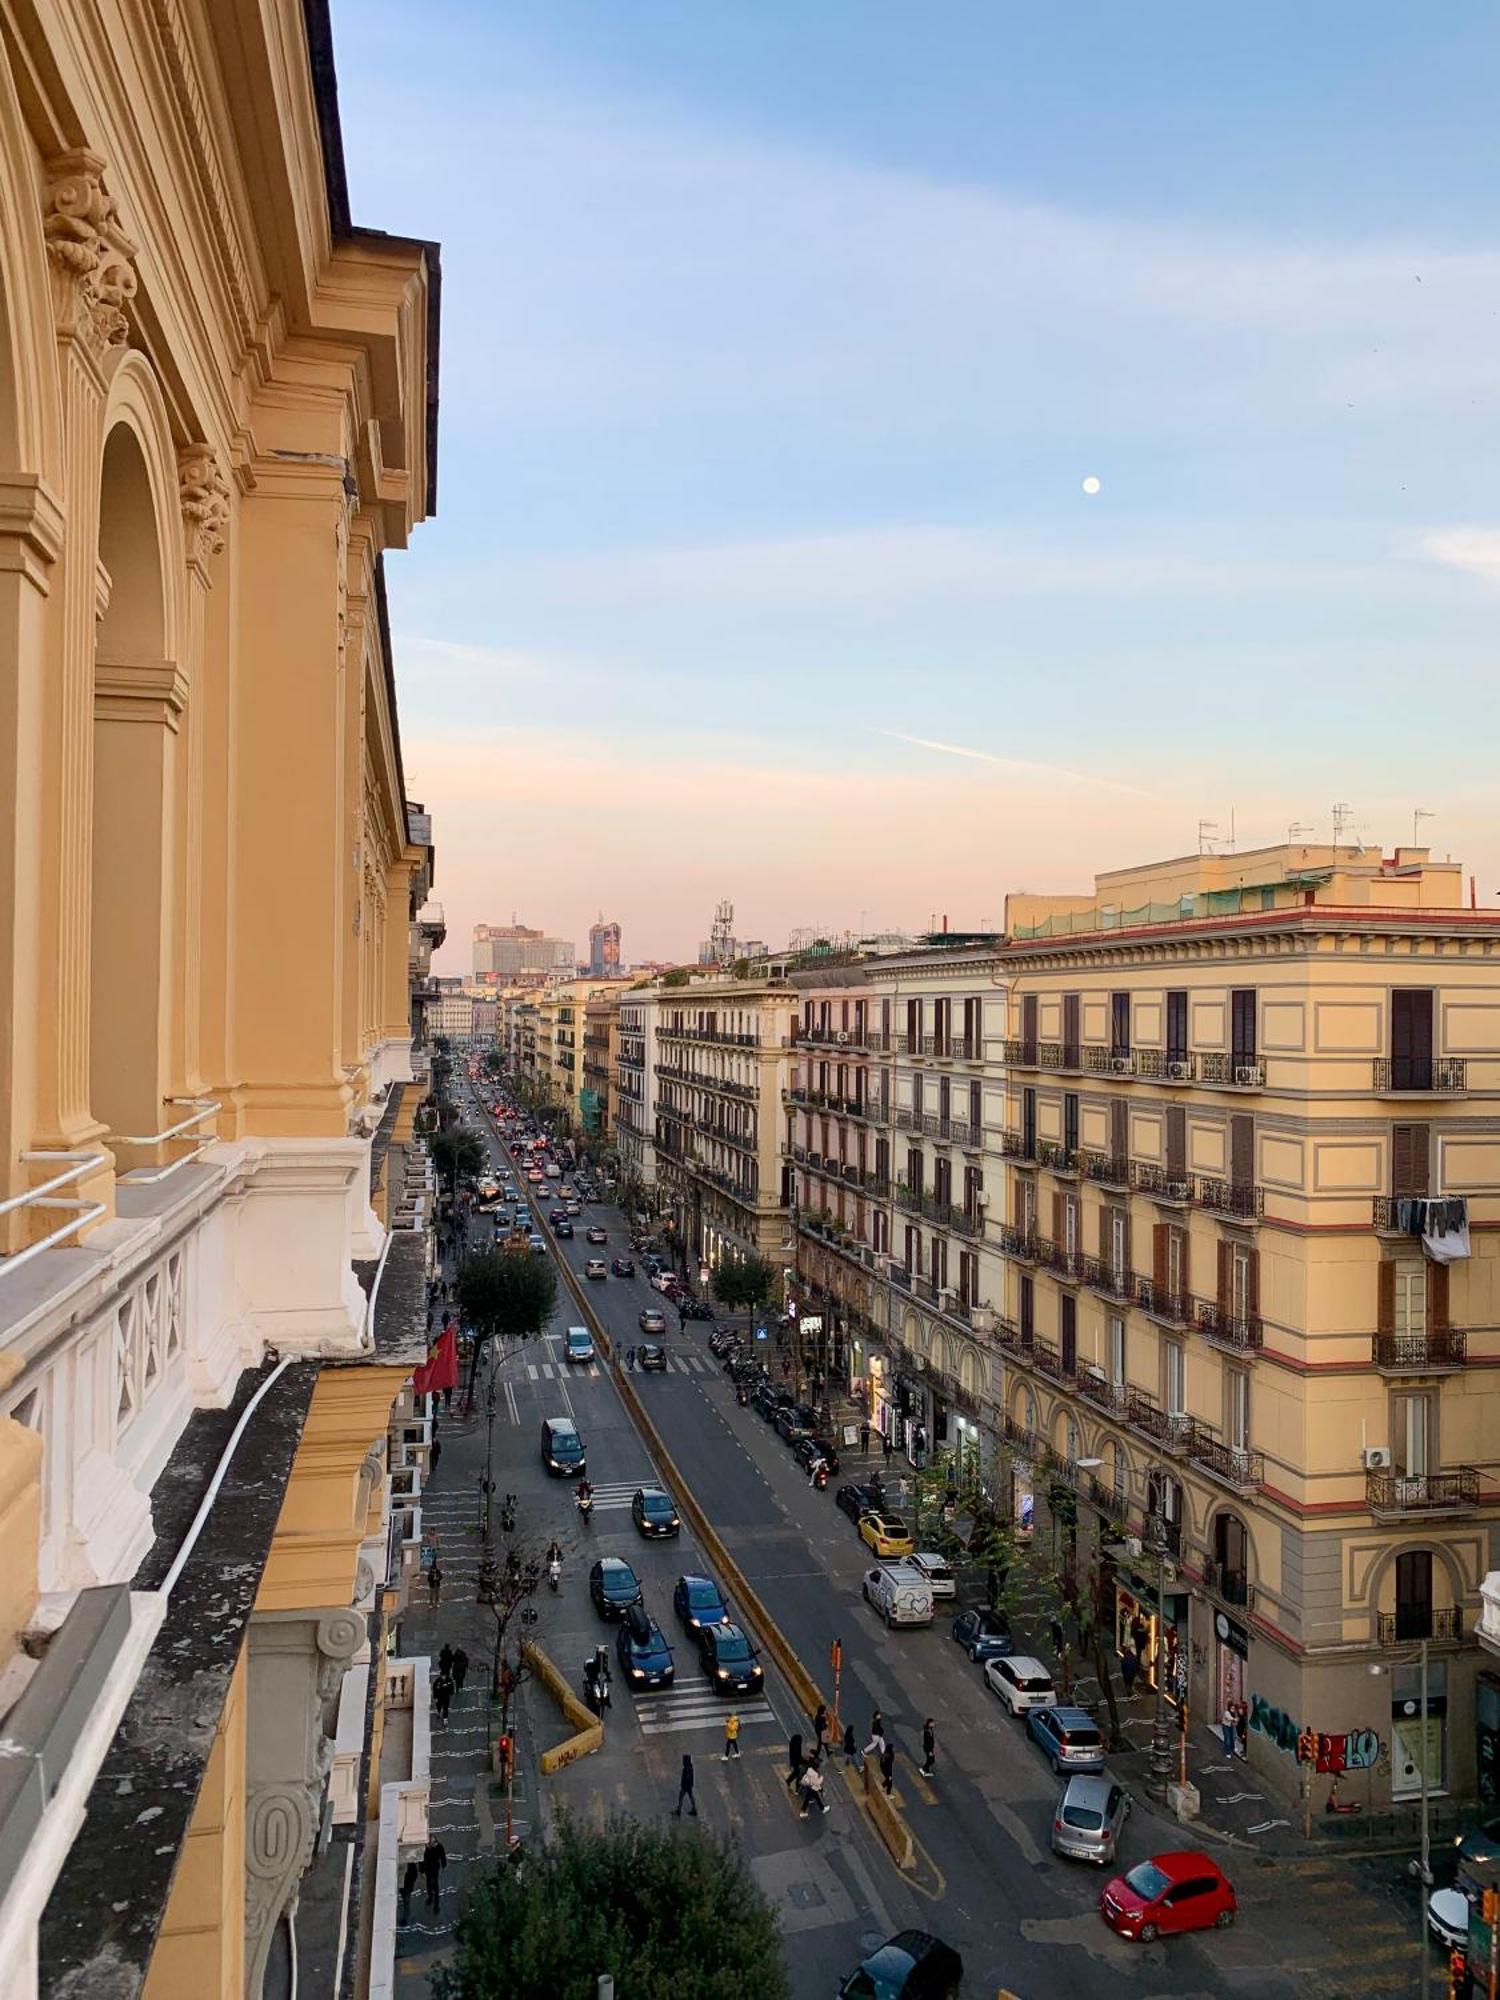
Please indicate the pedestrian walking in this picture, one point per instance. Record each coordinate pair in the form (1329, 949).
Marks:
(434, 1861)
(460, 1669)
(448, 1397)
(1242, 1727)
(877, 1724)
(685, 1789)
(629, 1358)
(442, 1696)
(812, 1791)
(888, 1765)
(1140, 1633)
(731, 1736)
(851, 1747)
(445, 1659)
(1227, 1731)
(1130, 1666)
(408, 1888)
(437, 1452)
(864, 1439)
(821, 1723)
(929, 1747)
(885, 1446)
(1055, 1634)
(434, 1586)
(793, 1759)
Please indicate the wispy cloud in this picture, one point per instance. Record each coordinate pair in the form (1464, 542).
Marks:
(1473, 550)
(1015, 763)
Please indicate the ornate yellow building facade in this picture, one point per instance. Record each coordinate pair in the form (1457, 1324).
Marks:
(217, 415)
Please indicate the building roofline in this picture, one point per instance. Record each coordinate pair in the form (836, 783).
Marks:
(1303, 918)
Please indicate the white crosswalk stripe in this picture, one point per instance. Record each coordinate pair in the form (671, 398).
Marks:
(615, 1493)
(695, 1706)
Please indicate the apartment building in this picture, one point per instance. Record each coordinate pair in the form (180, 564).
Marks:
(634, 1120)
(896, 1086)
(1251, 1226)
(217, 417)
(722, 1065)
(601, 1029)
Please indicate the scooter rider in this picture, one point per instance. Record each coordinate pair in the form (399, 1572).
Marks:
(585, 1500)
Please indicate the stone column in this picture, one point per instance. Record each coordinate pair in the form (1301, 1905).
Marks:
(296, 1664)
(205, 513)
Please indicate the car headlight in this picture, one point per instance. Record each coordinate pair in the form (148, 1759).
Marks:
(723, 1673)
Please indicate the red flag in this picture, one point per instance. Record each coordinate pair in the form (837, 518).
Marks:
(440, 1369)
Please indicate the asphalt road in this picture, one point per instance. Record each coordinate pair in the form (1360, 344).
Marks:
(1025, 1921)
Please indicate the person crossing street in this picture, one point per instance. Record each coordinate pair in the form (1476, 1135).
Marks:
(685, 1789)
(731, 1736)
(929, 1747)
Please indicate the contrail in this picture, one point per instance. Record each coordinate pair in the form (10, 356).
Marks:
(1013, 763)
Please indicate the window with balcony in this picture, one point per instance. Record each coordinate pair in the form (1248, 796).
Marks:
(976, 1110)
(1177, 1026)
(1027, 1301)
(940, 1262)
(1237, 1409)
(1114, 1334)
(914, 1173)
(1409, 1299)
(1067, 1334)
(1069, 1215)
(942, 1182)
(1072, 1036)
(1412, 1421)
(912, 1254)
(1173, 1377)
(974, 1026)
(942, 1023)
(1117, 1246)
(1119, 1024)
(1070, 1121)
(1411, 1149)
(914, 1027)
(1411, 1039)
(968, 1277)
(1414, 1594)
(1242, 1034)
(1028, 1123)
(1028, 1027)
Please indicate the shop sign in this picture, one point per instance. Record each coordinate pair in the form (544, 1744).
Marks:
(1230, 1634)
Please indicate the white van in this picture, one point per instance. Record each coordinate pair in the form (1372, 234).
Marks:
(899, 1593)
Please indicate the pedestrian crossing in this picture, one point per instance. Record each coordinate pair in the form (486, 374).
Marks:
(568, 1371)
(696, 1707)
(613, 1494)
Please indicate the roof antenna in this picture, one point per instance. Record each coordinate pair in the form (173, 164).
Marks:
(1342, 814)
(1208, 833)
(1417, 817)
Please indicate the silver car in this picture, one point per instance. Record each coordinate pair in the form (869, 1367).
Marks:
(1089, 1819)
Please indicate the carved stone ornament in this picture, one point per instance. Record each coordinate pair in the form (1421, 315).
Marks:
(92, 257)
(281, 1826)
(205, 500)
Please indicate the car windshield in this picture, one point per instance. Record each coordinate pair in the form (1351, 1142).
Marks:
(702, 1596)
(1148, 1881)
(1085, 1818)
(656, 1503)
(621, 1580)
(733, 1646)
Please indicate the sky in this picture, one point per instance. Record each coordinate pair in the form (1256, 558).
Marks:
(778, 344)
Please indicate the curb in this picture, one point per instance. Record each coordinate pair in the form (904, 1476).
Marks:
(588, 1727)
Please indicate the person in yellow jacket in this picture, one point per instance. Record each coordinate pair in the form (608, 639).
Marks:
(731, 1736)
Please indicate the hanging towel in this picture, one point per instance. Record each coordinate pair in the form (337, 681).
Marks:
(1446, 1245)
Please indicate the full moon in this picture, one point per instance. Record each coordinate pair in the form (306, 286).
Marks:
(1091, 484)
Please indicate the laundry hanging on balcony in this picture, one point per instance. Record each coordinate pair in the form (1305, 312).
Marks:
(1442, 1222)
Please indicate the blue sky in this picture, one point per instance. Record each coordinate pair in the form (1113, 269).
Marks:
(778, 341)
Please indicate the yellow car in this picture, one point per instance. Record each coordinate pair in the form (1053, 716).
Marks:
(886, 1534)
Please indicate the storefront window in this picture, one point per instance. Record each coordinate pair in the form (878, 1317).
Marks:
(1411, 1744)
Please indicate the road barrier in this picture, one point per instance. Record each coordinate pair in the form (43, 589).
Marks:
(889, 1824)
(588, 1728)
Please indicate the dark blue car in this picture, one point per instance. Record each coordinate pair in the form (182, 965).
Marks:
(984, 1635)
(645, 1656)
(698, 1602)
(1069, 1738)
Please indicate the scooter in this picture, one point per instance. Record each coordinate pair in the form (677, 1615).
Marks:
(585, 1505)
(742, 1396)
(820, 1478)
(508, 1513)
(554, 1571)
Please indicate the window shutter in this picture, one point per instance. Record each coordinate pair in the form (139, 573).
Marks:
(1385, 1297)
(1410, 1150)
(1103, 1234)
(1129, 1267)
(1057, 1218)
(1018, 1213)
(1224, 1276)
(1185, 1260)
(1159, 1258)
(1252, 1286)
(1437, 1298)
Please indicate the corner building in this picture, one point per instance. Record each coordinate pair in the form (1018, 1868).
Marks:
(1251, 1227)
(218, 402)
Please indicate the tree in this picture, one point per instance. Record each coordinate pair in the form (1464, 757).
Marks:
(504, 1295)
(671, 1918)
(746, 1281)
(455, 1152)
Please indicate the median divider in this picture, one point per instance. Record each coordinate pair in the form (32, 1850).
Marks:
(894, 1833)
(588, 1728)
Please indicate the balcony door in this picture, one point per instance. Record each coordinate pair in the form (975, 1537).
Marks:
(1028, 1027)
(1071, 1034)
(1411, 1441)
(1414, 1595)
(1411, 1039)
(1068, 1335)
(1028, 1124)
(1177, 1027)
(1242, 1027)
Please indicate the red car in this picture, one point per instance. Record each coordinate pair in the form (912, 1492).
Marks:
(1170, 1892)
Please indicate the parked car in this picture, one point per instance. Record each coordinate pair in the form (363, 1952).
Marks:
(1068, 1737)
(937, 1571)
(1477, 1863)
(729, 1659)
(898, 1594)
(763, 1401)
(596, 1267)
(651, 1263)
(854, 1500)
(1089, 1819)
(983, 1634)
(1448, 1915)
(812, 1447)
(621, 1267)
(614, 1586)
(645, 1657)
(699, 1602)
(886, 1534)
(912, 1965)
(580, 1344)
(1021, 1682)
(652, 1358)
(794, 1420)
(652, 1320)
(596, 1233)
(1182, 1891)
(653, 1512)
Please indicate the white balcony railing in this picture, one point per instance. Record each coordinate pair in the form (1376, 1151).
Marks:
(80, 1211)
(404, 1798)
(185, 1132)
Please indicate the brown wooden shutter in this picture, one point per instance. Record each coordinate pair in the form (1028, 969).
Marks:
(1252, 1286)
(1225, 1285)
(1127, 1262)
(1241, 1151)
(1017, 1211)
(1057, 1219)
(1103, 1233)
(1437, 1298)
(1410, 1151)
(1385, 1297)
(1159, 1258)
(1176, 1140)
(1119, 1128)
(1185, 1259)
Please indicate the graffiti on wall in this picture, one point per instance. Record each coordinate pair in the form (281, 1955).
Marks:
(1356, 1750)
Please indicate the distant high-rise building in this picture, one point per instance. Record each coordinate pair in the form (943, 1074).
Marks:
(503, 951)
(604, 950)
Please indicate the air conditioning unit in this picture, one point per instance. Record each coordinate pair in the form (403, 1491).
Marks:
(1133, 1545)
(981, 1198)
(842, 1039)
(1247, 1073)
(1119, 1065)
(1180, 1072)
(1376, 1458)
(947, 1297)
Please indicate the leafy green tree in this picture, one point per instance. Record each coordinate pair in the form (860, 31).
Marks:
(672, 1918)
(747, 1281)
(455, 1152)
(504, 1295)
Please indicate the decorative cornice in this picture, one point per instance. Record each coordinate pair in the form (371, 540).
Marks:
(92, 257)
(204, 493)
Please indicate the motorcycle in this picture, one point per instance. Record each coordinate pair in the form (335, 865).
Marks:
(554, 1572)
(742, 1397)
(585, 1505)
(820, 1478)
(508, 1513)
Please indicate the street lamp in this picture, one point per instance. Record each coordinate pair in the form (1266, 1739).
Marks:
(1159, 1767)
(1421, 1869)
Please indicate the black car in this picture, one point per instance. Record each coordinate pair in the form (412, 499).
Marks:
(652, 1358)
(763, 1401)
(653, 1512)
(621, 1267)
(856, 1500)
(557, 1215)
(645, 1657)
(794, 1420)
(614, 1586)
(806, 1449)
(913, 1965)
(729, 1660)
(563, 1228)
